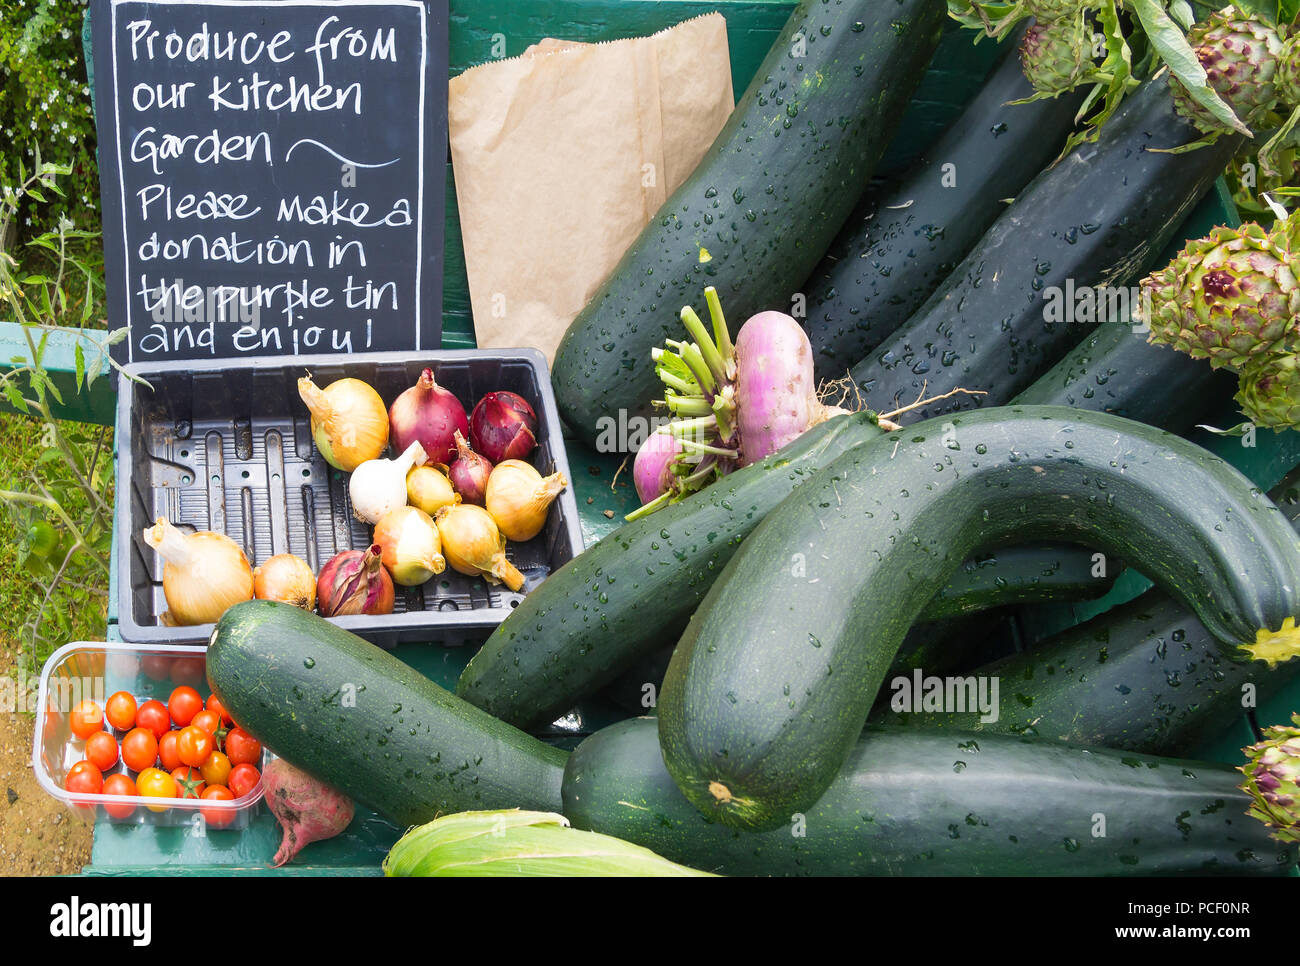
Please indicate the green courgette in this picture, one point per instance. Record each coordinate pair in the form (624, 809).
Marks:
(762, 206)
(914, 803)
(1145, 676)
(360, 720)
(901, 242)
(1028, 292)
(633, 592)
(771, 683)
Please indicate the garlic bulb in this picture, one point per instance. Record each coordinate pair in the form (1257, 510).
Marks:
(378, 487)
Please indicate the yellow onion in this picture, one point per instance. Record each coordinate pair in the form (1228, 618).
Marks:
(349, 421)
(203, 573)
(409, 546)
(429, 489)
(518, 498)
(473, 545)
(286, 578)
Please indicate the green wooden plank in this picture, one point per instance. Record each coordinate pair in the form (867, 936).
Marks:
(94, 405)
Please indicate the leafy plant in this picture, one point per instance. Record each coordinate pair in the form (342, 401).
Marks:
(62, 505)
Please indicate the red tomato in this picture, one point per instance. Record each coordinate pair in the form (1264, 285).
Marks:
(152, 783)
(189, 782)
(210, 722)
(242, 748)
(189, 670)
(194, 746)
(216, 770)
(84, 779)
(86, 718)
(171, 759)
(214, 704)
(214, 816)
(139, 749)
(243, 779)
(183, 705)
(120, 711)
(119, 785)
(101, 750)
(156, 666)
(153, 715)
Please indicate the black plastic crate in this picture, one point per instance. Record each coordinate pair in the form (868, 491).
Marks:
(227, 446)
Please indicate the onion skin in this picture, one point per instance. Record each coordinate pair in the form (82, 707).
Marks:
(349, 422)
(470, 473)
(652, 470)
(428, 414)
(355, 582)
(776, 392)
(519, 498)
(474, 546)
(286, 578)
(503, 427)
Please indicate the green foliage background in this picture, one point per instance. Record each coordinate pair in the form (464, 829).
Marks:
(45, 105)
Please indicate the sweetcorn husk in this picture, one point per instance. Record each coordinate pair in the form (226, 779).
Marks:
(512, 842)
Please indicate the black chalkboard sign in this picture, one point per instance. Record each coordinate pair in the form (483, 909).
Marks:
(272, 174)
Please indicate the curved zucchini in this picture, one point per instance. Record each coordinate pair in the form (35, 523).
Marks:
(901, 243)
(634, 591)
(765, 202)
(771, 682)
(360, 720)
(1115, 370)
(912, 803)
(1144, 676)
(1036, 573)
(1095, 219)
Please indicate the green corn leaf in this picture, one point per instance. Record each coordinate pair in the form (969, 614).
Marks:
(1171, 44)
(512, 842)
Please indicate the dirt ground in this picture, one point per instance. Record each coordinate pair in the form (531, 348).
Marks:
(38, 836)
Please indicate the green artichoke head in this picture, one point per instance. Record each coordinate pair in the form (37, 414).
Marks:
(1240, 56)
(1057, 56)
(1269, 392)
(1288, 74)
(1272, 780)
(1231, 297)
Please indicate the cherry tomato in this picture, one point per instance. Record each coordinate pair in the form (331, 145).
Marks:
(218, 817)
(153, 715)
(101, 750)
(167, 753)
(194, 746)
(189, 782)
(119, 785)
(154, 783)
(84, 779)
(140, 749)
(189, 670)
(243, 779)
(183, 705)
(216, 770)
(210, 722)
(120, 711)
(156, 666)
(214, 704)
(86, 718)
(242, 748)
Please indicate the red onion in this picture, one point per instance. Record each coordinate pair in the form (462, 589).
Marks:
(652, 470)
(430, 414)
(503, 427)
(469, 474)
(355, 582)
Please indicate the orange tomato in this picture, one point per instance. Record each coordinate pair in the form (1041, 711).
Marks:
(214, 704)
(189, 782)
(140, 749)
(86, 718)
(84, 779)
(216, 770)
(167, 754)
(120, 710)
(101, 750)
(155, 783)
(183, 705)
(194, 745)
(215, 816)
(153, 715)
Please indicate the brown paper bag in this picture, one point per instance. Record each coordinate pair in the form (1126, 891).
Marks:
(562, 155)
